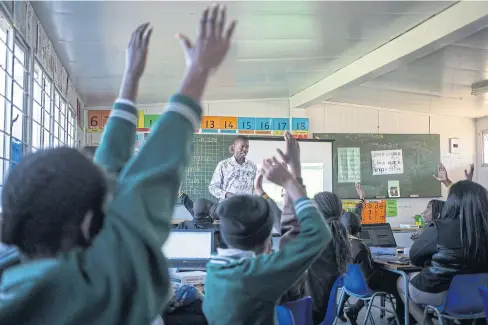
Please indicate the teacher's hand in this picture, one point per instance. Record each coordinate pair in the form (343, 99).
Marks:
(229, 194)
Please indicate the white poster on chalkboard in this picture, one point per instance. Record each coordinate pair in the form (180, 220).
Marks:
(387, 162)
(348, 165)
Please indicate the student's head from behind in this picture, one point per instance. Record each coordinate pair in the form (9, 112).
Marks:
(52, 201)
(468, 202)
(240, 147)
(351, 222)
(433, 210)
(246, 223)
(330, 206)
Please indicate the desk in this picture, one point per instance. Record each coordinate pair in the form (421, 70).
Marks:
(178, 221)
(402, 270)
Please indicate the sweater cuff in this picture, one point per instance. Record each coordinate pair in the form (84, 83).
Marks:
(126, 110)
(186, 107)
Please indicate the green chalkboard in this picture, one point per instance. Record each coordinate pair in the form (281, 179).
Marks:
(208, 151)
(420, 157)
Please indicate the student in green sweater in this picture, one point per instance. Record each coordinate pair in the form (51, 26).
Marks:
(95, 261)
(244, 281)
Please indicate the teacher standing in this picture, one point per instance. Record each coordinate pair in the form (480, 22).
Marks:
(234, 175)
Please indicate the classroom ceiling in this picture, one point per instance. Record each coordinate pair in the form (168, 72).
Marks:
(280, 47)
(437, 83)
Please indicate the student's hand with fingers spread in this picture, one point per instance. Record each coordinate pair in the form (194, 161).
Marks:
(136, 57)
(469, 174)
(360, 191)
(442, 176)
(277, 173)
(213, 40)
(292, 154)
(258, 184)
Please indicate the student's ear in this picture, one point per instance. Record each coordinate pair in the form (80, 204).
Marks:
(86, 226)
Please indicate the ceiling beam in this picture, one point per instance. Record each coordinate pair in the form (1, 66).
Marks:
(447, 27)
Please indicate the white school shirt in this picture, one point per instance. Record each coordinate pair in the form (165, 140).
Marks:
(232, 177)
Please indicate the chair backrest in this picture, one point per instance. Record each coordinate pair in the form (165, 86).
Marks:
(301, 310)
(484, 295)
(332, 304)
(463, 296)
(284, 316)
(355, 283)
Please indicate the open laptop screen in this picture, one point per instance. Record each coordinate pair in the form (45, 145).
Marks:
(189, 244)
(379, 235)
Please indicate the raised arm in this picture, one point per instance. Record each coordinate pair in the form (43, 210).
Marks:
(259, 191)
(273, 273)
(289, 222)
(117, 143)
(215, 186)
(124, 266)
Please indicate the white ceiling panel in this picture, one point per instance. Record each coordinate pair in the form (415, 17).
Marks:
(279, 48)
(442, 79)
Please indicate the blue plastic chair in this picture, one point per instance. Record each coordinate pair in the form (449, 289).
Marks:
(284, 316)
(484, 295)
(332, 307)
(301, 310)
(355, 286)
(463, 301)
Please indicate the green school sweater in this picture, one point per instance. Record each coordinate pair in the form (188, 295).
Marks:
(244, 291)
(122, 278)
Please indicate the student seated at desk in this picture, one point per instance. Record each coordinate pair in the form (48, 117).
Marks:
(377, 279)
(457, 243)
(432, 212)
(203, 215)
(244, 281)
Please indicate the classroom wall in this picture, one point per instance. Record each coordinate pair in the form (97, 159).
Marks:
(482, 172)
(332, 117)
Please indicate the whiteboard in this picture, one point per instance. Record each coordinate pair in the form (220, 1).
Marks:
(311, 152)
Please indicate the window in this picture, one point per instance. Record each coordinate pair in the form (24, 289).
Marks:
(484, 136)
(13, 100)
(42, 110)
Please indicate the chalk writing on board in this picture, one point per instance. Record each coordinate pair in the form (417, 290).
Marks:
(385, 145)
(387, 162)
(349, 165)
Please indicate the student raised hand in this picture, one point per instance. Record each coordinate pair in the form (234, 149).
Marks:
(135, 61)
(360, 191)
(469, 174)
(292, 155)
(442, 176)
(207, 53)
(276, 172)
(258, 184)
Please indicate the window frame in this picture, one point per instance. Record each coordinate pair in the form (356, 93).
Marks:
(484, 148)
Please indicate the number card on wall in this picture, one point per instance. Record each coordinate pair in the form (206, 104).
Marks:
(228, 124)
(263, 125)
(97, 120)
(246, 125)
(150, 120)
(210, 124)
(374, 212)
(299, 127)
(280, 125)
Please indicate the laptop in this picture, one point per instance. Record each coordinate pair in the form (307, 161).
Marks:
(189, 249)
(378, 235)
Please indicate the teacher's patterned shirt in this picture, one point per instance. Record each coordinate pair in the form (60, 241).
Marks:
(229, 176)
